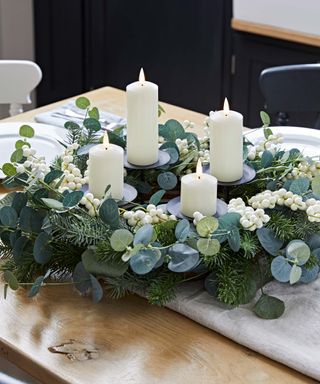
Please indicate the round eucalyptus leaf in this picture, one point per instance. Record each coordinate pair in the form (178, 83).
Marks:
(20, 200)
(182, 230)
(314, 241)
(295, 274)
(72, 199)
(21, 244)
(26, 131)
(298, 250)
(173, 153)
(81, 279)
(143, 235)
(82, 102)
(121, 239)
(206, 226)
(8, 216)
(94, 113)
(309, 274)
(109, 213)
(167, 180)
(172, 130)
(36, 286)
(316, 252)
(92, 124)
(280, 269)
(9, 169)
(52, 175)
(208, 247)
(266, 159)
(53, 204)
(10, 278)
(269, 241)
(269, 307)
(156, 197)
(21, 143)
(42, 251)
(300, 186)
(144, 261)
(183, 258)
(169, 144)
(16, 156)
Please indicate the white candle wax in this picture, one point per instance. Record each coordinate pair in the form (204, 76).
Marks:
(106, 168)
(142, 122)
(198, 193)
(226, 144)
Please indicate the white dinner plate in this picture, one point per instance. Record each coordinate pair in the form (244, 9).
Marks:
(307, 140)
(45, 141)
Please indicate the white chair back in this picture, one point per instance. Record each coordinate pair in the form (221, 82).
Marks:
(17, 79)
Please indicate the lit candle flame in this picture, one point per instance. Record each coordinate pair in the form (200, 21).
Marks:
(106, 140)
(142, 78)
(226, 107)
(199, 168)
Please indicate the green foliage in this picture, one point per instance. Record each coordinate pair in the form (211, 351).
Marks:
(283, 226)
(269, 307)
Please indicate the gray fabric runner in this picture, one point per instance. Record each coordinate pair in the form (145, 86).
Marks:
(293, 339)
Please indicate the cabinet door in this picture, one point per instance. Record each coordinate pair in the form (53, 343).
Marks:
(252, 55)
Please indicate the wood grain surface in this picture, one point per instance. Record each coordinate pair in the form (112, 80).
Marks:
(59, 337)
(275, 32)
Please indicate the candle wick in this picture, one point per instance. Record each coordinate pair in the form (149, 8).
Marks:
(199, 177)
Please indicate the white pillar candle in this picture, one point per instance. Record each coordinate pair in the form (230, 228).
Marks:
(142, 122)
(198, 193)
(226, 144)
(106, 168)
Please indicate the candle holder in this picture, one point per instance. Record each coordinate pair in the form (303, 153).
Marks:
(163, 159)
(129, 193)
(249, 174)
(173, 207)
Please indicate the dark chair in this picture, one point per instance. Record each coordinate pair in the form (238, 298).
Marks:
(292, 89)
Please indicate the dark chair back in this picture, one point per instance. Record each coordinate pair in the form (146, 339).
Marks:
(291, 88)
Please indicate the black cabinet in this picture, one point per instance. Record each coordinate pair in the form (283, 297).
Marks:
(254, 53)
(183, 46)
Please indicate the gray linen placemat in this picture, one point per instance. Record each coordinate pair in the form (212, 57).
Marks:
(293, 339)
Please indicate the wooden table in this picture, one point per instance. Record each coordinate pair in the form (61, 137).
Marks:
(124, 341)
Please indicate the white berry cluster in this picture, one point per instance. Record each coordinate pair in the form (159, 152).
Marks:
(282, 197)
(183, 146)
(204, 152)
(152, 215)
(35, 165)
(270, 144)
(197, 216)
(188, 124)
(73, 179)
(304, 169)
(251, 219)
(313, 210)
(91, 203)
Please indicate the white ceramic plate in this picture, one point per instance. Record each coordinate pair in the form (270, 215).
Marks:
(307, 140)
(45, 140)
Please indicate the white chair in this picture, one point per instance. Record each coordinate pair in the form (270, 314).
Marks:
(17, 79)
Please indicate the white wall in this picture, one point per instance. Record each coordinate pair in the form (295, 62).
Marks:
(16, 35)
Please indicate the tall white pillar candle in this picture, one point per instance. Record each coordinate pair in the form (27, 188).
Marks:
(226, 144)
(142, 122)
(106, 168)
(198, 193)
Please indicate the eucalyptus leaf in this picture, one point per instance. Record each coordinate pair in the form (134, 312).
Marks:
(92, 124)
(298, 250)
(121, 239)
(109, 213)
(18, 250)
(208, 247)
(295, 274)
(72, 199)
(96, 290)
(234, 239)
(21, 143)
(206, 226)
(309, 274)
(211, 284)
(20, 200)
(53, 204)
(265, 118)
(266, 159)
(82, 102)
(182, 230)
(52, 175)
(10, 278)
(173, 153)
(172, 130)
(156, 197)
(144, 261)
(281, 269)
(182, 258)
(8, 216)
(36, 286)
(16, 156)
(94, 113)
(9, 169)
(269, 307)
(144, 235)
(81, 279)
(167, 180)
(26, 131)
(42, 251)
(269, 241)
(300, 186)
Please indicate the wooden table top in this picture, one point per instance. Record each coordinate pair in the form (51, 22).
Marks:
(59, 337)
